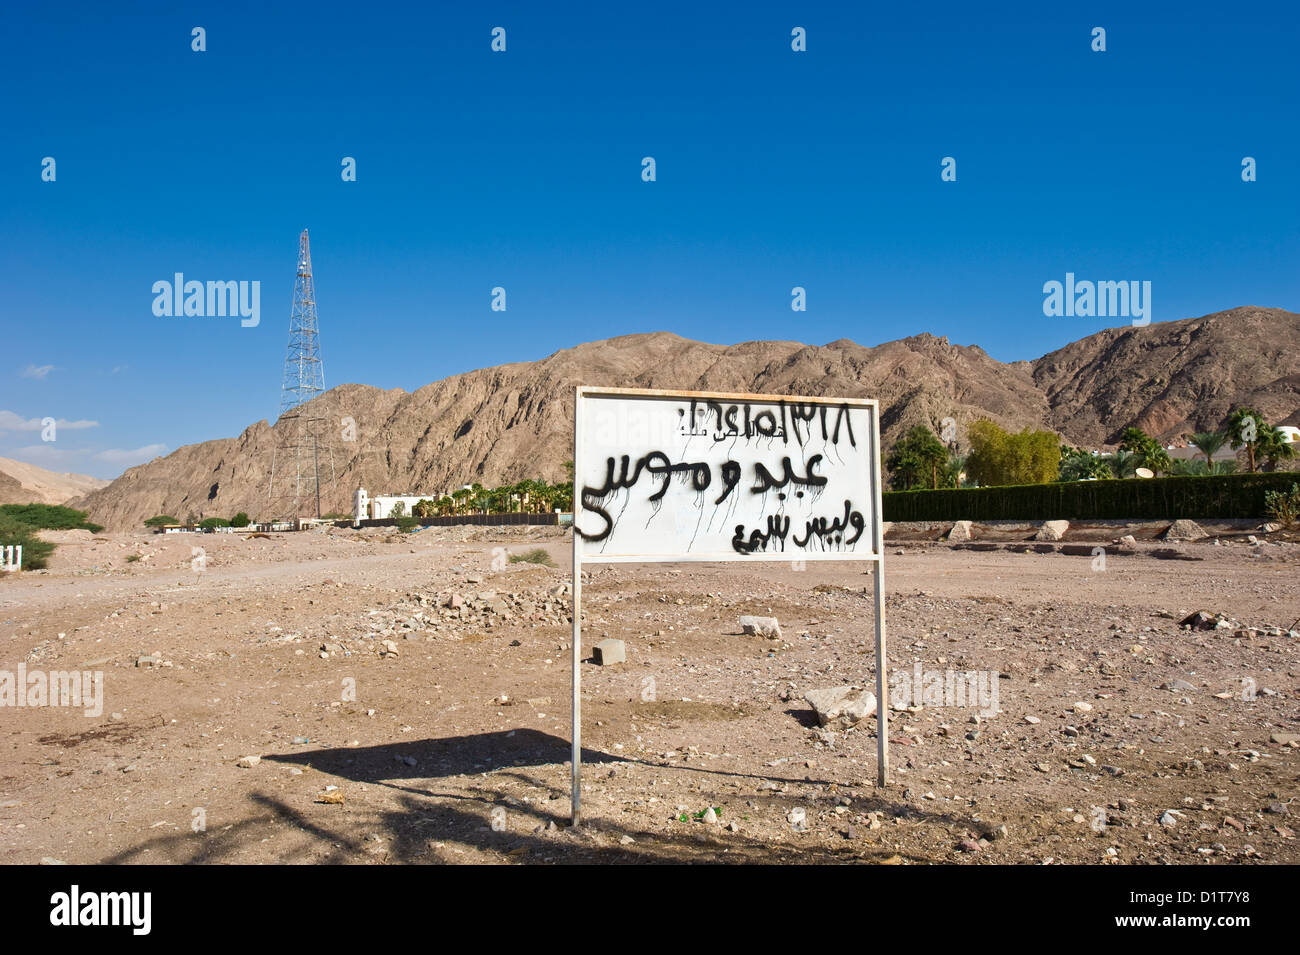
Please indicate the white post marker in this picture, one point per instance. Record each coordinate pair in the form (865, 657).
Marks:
(664, 476)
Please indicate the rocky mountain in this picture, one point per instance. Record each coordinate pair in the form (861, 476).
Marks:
(1174, 378)
(515, 421)
(22, 483)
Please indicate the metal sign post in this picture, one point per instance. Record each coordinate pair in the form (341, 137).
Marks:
(664, 476)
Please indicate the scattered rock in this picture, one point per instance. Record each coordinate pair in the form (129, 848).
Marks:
(610, 651)
(761, 626)
(960, 531)
(844, 705)
(248, 762)
(1200, 620)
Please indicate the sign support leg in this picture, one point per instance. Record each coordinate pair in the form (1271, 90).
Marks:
(577, 682)
(882, 662)
(882, 685)
(576, 637)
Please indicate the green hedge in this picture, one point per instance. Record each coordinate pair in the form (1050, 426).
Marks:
(20, 522)
(52, 517)
(1168, 498)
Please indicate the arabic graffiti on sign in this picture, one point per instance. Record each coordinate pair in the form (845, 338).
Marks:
(664, 475)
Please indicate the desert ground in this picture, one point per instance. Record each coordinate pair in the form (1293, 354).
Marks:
(406, 699)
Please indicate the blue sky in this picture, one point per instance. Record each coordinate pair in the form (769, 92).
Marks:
(522, 169)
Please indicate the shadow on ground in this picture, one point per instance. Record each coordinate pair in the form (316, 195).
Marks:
(432, 827)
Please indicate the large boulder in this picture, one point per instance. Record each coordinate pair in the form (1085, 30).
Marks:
(1052, 531)
(841, 705)
(960, 531)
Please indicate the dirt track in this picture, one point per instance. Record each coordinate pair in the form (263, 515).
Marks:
(461, 721)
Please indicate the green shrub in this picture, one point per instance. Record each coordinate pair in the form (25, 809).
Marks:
(214, 522)
(240, 520)
(20, 522)
(534, 556)
(160, 519)
(35, 551)
(406, 523)
(1283, 506)
(1169, 498)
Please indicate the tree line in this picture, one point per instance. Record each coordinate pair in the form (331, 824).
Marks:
(996, 457)
(524, 497)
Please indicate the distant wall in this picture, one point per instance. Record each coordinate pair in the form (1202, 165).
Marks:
(491, 520)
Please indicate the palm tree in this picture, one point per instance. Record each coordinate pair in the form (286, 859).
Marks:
(1274, 447)
(1123, 463)
(524, 490)
(564, 496)
(953, 470)
(1244, 428)
(1081, 465)
(1209, 443)
(1155, 457)
(1134, 439)
(1189, 467)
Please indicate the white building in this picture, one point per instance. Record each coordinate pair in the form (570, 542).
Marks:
(365, 507)
(1290, 433)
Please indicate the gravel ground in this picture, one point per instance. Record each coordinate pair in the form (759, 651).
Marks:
(390, 727)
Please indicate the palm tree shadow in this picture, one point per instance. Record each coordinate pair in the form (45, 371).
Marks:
(440, 758)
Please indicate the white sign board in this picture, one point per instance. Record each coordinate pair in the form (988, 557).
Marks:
(694, 476)
(689, 477)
